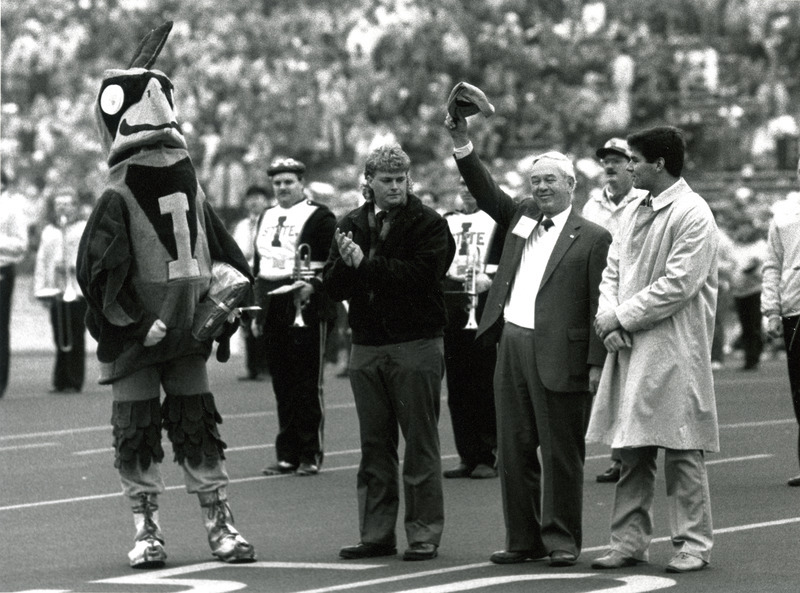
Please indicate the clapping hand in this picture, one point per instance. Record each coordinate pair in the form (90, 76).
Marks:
(349, 250)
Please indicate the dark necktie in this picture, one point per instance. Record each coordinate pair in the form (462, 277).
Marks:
(379, 218)
(547, 224)
(464, 247)
(276, 240)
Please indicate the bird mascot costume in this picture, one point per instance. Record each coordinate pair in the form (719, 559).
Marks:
(162, 278)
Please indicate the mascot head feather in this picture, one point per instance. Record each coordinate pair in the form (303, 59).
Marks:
(135, 107)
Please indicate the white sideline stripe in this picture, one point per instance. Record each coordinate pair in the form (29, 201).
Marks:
(30, 446)
(229, 450)
(107, 427)
(733, 529)
(44, 503)
(30, 505)
(88, 429)
(734, 459)
(759, 423)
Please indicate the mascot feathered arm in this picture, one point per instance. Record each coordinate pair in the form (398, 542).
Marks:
(103, 265)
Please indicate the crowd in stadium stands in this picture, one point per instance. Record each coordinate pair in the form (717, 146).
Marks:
(327, 81)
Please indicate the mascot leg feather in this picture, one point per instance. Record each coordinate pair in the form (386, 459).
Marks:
(191, 422)
(138, 454)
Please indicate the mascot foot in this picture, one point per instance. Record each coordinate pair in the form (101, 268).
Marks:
(148, 550)
(226, 542)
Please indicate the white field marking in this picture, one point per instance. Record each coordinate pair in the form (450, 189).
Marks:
(759, 423)
(44, 503)
(633, 583)
(165, 577)
(228, 450)
(30, 446)
(54, 433)
(88, 429)
(735, 459)
(712, 462)
(46, 591)
(107, 427)
(30, 505)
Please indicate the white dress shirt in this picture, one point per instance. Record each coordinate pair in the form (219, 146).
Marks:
(520, 309)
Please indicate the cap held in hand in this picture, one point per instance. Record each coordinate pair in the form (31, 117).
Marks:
(466, 99)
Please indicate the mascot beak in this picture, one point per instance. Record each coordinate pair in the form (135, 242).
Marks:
(151, 120)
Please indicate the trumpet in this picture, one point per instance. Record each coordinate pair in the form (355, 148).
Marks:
(303, 272)
(474, 270)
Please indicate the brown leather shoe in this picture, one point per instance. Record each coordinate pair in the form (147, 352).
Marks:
(684, 562)
(515, 557)
(366, 550)
(421, 551)
(615, 559)
(559, 558)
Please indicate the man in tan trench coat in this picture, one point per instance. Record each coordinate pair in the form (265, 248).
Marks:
(656, 317)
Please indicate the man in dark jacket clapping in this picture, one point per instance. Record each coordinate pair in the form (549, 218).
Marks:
(389, 260)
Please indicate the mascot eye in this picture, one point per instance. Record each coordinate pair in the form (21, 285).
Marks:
(112, 98)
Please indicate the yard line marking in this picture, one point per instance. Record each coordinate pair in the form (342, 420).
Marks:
(228, 450)
(44, 503)
(30, 446)
(104, 428)
(30, 505)
(93, 451)
(758, 423)
(54, 433)
(107, 427)
(734, 459)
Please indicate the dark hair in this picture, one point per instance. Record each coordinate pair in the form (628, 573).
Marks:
(664, 142)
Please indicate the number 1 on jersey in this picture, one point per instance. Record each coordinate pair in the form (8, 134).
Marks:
(186, 266)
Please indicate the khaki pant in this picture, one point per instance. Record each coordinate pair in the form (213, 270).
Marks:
(688, 499)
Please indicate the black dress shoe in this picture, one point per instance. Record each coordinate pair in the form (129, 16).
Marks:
(515, 557)
(366, 550)
(795, 481)
(421, 551)
(459, 471)
(610, 475)
(560, 558)
(280, 468)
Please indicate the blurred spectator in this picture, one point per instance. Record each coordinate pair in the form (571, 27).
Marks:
(605, 208)
(56, 286)
(781, 302)
(13, 245)
(749, 252)
(256, 200)
(726, 267)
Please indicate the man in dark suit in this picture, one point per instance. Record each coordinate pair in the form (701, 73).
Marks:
(541, 307)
